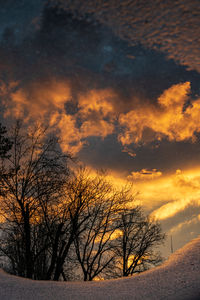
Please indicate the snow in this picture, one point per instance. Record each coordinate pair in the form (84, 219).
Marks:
(178, 278)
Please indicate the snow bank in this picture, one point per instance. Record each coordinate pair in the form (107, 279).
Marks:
(178, 278)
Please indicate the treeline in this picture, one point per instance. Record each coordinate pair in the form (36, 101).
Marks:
(61, 224)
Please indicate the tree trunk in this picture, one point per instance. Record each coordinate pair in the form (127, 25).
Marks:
(61, 260)
(28, 254)
(54, 254)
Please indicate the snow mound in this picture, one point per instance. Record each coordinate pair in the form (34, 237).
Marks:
(178, 278)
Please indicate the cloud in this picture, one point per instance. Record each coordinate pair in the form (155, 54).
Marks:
(181, 226)
(169, 27)
(94, 118)
(167, 119)
(37, 98)
(47, 100)
(144, 174)
(185, 190)
(97, 101)
(129, 151)
(97, 113)
(99, 128)
(172, 208)
(68, 131)
(63, 61)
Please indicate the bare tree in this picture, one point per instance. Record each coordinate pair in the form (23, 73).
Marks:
(72, 219)
(134, 247)
(94, 245)
(47, 212)
(33, 175)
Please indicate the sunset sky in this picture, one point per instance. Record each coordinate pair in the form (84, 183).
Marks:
(119, 83)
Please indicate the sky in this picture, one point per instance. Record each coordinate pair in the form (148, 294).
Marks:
(118, 81)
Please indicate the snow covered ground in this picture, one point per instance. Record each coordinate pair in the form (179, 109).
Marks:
(178, 278)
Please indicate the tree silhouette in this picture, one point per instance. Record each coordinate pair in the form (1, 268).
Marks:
(33, 177)
(5, 143)
(51, 216)
(134, 245)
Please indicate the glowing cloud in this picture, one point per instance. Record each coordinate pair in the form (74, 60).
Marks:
(185, 188)
(166, 119)
(97, 113)
(38, 99)
(170, 209)
(46, 100)
(71, 139)
(97, 101)
(145, 174)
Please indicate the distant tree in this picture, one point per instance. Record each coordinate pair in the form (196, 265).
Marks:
(134, 246)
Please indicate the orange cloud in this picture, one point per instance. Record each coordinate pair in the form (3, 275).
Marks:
(145, 174)
(167, 194)
(129, 151)
(182, 190)
(167, 119)
(97, 113)
(38, 99)
(170, 209)
(45, 101)
(71, 138)
(99, 128)
(97, 101)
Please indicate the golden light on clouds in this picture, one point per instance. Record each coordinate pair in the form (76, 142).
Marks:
(97, 101)
(170, 209)
(165, 195)
(144, 174)
(69, 133)
(38, 99)
(45, 101)
(166, 119)
(184, 188)
(96, 114)
(99, 128)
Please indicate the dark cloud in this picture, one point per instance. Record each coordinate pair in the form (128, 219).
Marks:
(89, 52)
(165, 156)
(20, 17)
(170, 27)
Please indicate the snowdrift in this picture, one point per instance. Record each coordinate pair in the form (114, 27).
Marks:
(178, 278)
